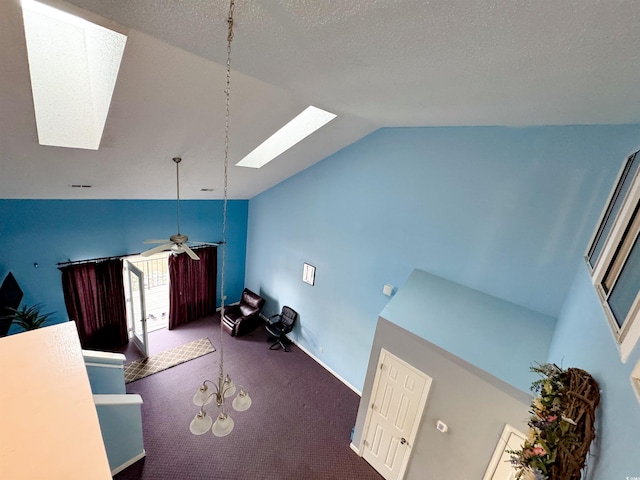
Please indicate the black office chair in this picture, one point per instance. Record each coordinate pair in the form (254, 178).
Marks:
(279, 325)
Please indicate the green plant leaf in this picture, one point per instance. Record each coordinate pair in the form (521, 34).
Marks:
(29, 317)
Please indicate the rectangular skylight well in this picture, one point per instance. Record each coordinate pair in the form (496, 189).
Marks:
(73, 65)
(307, 122)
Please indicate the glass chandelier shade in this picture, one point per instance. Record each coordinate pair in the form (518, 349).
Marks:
(201, 423)
(242, 402)
(223, 425)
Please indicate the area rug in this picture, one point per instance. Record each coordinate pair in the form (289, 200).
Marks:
(170, 358)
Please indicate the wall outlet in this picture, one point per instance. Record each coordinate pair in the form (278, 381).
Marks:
(321, 349)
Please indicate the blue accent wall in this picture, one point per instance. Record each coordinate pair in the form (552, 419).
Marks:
(505, 211)
(583, 340)
(51, 231)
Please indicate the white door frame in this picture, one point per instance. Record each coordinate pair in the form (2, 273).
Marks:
(421, 406)
(500, 448)
(140, 338)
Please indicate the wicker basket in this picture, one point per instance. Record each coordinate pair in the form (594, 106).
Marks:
(581, 398)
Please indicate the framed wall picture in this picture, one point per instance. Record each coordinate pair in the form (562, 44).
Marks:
(309, 274)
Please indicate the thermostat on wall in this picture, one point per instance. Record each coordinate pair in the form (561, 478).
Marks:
(441, 426)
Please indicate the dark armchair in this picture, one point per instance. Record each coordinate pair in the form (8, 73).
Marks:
(243, 318)
(281, 324)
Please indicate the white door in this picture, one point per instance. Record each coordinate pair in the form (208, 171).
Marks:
(399, 395)
(500, 467)
(136, 307)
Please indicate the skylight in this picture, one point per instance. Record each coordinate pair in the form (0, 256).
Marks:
(74, 65)
(307, 122)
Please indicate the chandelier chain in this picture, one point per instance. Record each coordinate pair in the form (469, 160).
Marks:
(227, 92)
(224, 387)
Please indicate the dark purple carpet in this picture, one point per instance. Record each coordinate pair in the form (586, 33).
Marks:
(297, 427)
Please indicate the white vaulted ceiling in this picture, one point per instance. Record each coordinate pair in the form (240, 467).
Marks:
(374, 63)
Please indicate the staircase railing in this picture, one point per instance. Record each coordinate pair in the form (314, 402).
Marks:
(119, 413)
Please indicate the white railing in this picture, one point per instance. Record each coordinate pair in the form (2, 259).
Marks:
(155, 270)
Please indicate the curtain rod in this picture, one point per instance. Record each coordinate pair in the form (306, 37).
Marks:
(89, 260)
(117, 257)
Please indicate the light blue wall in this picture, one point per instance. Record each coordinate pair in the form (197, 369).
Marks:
(583, 340)
(104, 380)
(105, 372)
(479, 328)
(121, 428)
(51, 231)
(506, 211)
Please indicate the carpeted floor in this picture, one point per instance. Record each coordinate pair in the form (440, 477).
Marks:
(297, 427)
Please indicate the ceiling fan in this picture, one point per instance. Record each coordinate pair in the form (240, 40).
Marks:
(178, 242)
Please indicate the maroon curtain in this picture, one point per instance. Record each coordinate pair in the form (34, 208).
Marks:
(192, 286)
(94, 296)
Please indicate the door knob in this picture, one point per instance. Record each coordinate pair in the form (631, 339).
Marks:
(403, 441)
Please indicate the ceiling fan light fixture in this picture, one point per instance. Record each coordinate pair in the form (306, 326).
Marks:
(178, 242)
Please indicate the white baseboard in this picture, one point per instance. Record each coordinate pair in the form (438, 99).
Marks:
(355, 449)
(326, 367)
(128, 463)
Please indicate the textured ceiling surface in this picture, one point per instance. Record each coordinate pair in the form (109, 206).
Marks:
(374, 63)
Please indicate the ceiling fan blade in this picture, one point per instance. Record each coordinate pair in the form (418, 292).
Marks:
(164, 240)
(190, 252)
(157, 249)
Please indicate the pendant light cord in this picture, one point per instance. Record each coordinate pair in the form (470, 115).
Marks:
(227, 92)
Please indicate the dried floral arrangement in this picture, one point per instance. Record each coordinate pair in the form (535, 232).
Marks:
(561, 427)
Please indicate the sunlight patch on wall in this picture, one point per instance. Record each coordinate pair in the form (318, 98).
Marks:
(74, 66)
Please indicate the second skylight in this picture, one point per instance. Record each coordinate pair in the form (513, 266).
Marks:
(307, 122)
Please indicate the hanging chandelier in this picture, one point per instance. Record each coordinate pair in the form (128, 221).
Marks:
(223, 387)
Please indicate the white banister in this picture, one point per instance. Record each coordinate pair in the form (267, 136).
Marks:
(95, 356)
(117, 399)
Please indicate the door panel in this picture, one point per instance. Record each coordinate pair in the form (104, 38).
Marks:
(500, 467)
(136, 307)
(399, 395)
